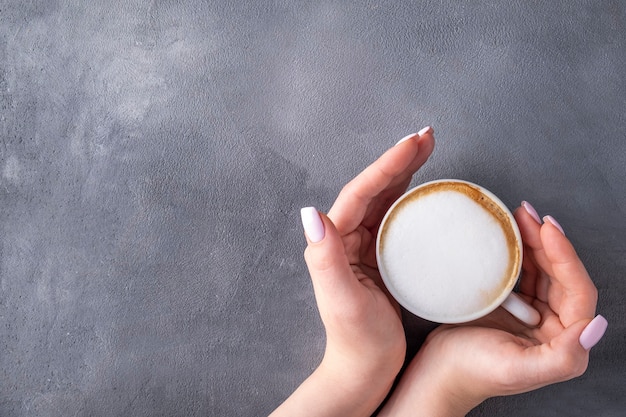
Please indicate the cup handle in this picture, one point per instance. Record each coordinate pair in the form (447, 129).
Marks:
(521, 310)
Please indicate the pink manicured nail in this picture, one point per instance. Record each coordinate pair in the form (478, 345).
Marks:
(554, 222)
(312, 223)
(422, 132)
(594, 331)
(531, 210)
(407, 137)
(425, 130)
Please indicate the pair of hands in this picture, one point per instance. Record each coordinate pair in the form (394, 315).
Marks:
(458, 366)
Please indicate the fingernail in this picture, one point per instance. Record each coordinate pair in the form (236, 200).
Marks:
(554, 222)
(407, 137)
(531, 210)
(422, 132)
(427, 129)
(312, 224)
(594, 331)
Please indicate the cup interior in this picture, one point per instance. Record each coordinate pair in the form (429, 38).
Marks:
(449, 251)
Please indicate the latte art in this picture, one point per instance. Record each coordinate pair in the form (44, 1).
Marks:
(449, 251)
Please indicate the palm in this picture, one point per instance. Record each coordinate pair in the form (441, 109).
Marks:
(556, 283)
(495, 339)
(360, 247)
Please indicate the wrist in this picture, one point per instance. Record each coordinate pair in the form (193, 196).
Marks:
(363, 366)
(429, 387)
(338, 388)
(366, 382)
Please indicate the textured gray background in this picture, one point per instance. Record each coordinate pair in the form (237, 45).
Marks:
(154, 157)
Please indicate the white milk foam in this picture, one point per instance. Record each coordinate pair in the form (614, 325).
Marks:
(445, 254)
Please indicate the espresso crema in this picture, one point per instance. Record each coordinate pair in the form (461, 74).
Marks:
(449, 251)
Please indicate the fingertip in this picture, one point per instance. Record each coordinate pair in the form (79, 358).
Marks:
(325, 256)
(407, 138)
(426, 141)
(421, 133)
(425, 130)
(312, 224)
(531, 211)
(558, 247)
(529, 225)
(593, 332)
(553, 222)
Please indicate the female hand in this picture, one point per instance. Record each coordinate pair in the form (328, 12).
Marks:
(365, 345)
(459, 366)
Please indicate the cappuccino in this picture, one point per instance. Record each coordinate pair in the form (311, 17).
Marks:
(449, 251)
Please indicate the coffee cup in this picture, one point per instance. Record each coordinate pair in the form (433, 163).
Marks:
(450, 251)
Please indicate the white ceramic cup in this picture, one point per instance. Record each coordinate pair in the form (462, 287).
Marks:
(450, 251)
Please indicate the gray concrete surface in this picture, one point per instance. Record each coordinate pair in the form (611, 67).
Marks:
(154, 157)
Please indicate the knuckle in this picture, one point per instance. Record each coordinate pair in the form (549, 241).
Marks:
(349, 189)
(316, 261)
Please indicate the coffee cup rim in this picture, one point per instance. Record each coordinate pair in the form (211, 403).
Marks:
(497, 301)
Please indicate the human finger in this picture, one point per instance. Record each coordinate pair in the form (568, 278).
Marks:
(564, 357)
(393, 168)
(381, 203)
(575, 295)
(537, 269)
(529, 225)
(326, 258)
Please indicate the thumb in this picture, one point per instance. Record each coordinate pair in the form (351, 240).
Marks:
(567, 355)
(325, 256)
